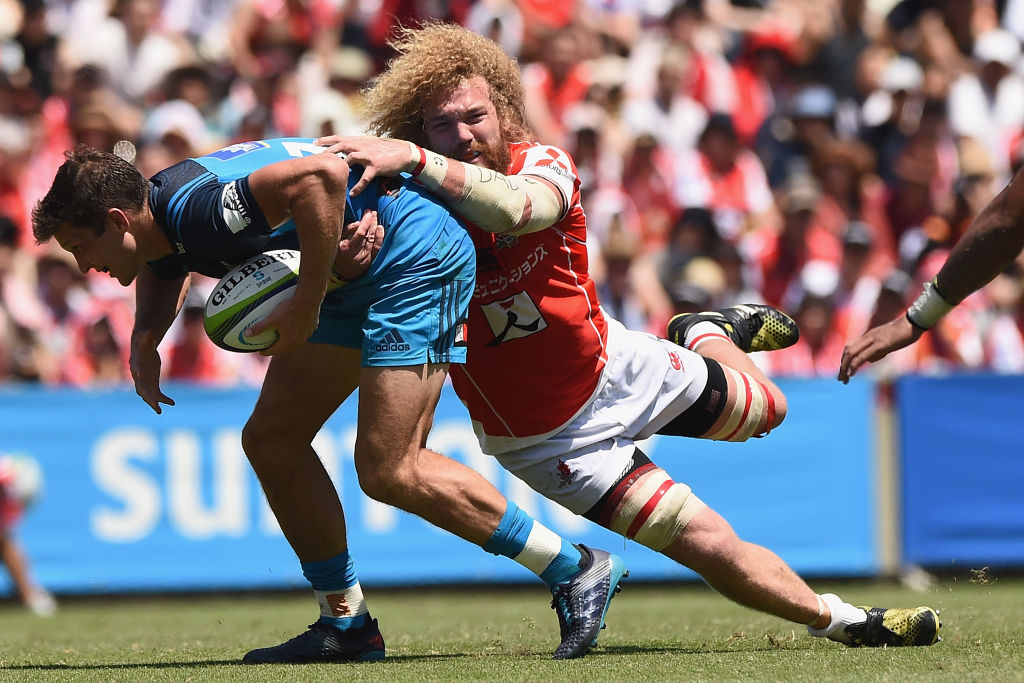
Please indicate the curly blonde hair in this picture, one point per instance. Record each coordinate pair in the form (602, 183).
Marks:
(434, 58)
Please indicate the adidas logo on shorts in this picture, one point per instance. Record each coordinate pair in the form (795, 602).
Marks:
(392, 342)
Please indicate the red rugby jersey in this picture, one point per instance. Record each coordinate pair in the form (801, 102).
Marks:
(537, 337)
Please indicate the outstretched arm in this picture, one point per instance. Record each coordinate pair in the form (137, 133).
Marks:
(990, 245)
(157, 302)
(493, 201)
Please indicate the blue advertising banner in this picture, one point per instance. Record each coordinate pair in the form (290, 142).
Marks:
(135, 501)
(963, 473)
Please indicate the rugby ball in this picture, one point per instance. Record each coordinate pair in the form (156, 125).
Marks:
(247, 295)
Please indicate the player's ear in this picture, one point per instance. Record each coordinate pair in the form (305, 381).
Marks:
(119, 219)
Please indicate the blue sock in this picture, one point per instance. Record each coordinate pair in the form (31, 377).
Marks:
(531, 544)
(338, 591)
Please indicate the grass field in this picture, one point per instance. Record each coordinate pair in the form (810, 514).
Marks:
(655, 633)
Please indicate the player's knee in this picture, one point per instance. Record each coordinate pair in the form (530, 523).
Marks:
(259, 439)
(386, 484)
(647, 506)
(708, 545)
(751, 408)
(375, 481)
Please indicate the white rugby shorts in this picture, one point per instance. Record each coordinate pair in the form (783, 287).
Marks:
(646, 383)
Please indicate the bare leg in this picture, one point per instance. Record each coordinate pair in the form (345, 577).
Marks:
(17, 566)
(396, 409)
(302, 389)
(744, 572)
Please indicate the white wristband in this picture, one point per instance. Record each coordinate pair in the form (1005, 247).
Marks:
(928, 308)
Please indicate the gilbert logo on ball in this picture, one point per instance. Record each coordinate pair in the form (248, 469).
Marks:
(247, 295)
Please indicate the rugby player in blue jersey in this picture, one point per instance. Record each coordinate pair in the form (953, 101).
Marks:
(412, 281)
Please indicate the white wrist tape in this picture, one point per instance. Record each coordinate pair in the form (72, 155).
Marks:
(428, 168)
(928, 308)
(494, 202)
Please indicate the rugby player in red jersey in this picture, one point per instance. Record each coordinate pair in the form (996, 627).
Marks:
(557, 391)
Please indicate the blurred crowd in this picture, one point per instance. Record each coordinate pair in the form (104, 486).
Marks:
(818, 155)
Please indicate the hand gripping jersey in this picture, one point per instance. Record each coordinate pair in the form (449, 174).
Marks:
(537, 337)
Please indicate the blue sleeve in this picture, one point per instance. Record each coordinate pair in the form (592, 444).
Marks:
(210, 224)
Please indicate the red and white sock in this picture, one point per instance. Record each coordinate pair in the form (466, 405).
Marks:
(702, 332)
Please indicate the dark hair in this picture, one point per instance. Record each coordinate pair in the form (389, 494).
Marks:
(87, 185)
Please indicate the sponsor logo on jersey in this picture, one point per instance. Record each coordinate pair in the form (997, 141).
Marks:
(392, 342)
(461, 334)
(250, 268)
(513, 318)
(237, 149)
(233, 209)
(675, 360)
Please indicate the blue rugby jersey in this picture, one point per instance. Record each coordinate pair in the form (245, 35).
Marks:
(206, 209)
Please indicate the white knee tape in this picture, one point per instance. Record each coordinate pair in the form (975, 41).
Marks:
(746, 407)
(654, 510)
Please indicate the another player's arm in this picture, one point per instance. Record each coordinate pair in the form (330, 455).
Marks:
(157, 302)
(310, 190)
(495, 202)
(991, 243)
(512, 204)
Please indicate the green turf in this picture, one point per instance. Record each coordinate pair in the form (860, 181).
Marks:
(678, 632)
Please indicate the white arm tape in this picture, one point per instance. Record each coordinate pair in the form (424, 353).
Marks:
(928, 308)
(494, 202)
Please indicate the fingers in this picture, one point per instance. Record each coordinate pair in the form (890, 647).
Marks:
(258, 327)
(153, 398)
(369, 173)
(377, 236)
(363, 233)
(846, 367)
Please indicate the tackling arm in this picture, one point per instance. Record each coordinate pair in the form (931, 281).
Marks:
(494, 202)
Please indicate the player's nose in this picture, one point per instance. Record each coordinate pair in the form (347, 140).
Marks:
(464, 132)
(82, 264)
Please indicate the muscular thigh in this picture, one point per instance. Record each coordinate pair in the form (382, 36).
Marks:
(396, 410)
(303, 387)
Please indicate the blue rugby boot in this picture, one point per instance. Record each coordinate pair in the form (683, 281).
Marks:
(582, 602)
(751, 327)
(323, 643)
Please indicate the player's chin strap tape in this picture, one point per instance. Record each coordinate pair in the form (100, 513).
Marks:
(488, 199)
(647, 506)
(929, 307)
